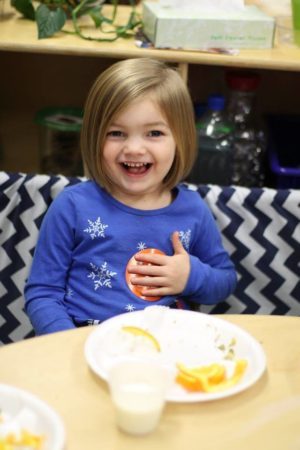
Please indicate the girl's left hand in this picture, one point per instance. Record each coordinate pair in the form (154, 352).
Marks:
(164, 275)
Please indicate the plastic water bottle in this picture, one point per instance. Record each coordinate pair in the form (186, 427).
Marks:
(249, 138)
(214, 161)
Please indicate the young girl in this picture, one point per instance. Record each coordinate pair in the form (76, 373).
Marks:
(131, 236)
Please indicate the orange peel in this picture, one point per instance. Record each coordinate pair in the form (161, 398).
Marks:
(137, 331)
(211, 378)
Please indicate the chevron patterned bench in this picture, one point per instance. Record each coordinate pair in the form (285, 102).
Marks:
(260, 229)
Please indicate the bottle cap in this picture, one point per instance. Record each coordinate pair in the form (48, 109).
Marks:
(61, 119)
(216, 102)
(242, 81)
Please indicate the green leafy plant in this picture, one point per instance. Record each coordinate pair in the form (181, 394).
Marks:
(51, 16)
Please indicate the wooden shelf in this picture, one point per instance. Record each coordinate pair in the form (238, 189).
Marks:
(20, 35)
(60, 70)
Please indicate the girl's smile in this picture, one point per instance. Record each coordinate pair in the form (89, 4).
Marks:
(136, 168)
(138, 153)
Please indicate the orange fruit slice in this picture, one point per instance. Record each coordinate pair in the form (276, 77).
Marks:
(209, 378)
(135, 288)
(141, 332)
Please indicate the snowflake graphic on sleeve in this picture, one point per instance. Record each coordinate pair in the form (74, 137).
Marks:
(185, 238)
(141, 246)
(101, 276)
(96, 228)
(129, 307)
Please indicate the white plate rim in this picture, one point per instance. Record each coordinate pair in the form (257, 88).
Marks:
(189, 397)
(39, 406)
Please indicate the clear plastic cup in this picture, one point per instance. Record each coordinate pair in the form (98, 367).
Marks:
(138, 391)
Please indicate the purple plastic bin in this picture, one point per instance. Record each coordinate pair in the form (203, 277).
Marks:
(287, 177)
(284, 150)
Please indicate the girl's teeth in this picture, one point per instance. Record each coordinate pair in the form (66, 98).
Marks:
(134, 164)
(136, 168)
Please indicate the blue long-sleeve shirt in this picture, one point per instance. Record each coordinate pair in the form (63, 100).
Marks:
(86, 240)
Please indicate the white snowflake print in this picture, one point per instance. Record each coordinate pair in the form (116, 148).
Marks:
(69, 292)
(141, 246)
(129, 307)
(95, 229)
(101, 276)
(185, 238)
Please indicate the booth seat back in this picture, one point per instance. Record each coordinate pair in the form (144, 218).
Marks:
(260, 229)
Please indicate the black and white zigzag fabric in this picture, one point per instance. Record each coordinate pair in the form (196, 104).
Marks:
(260, 229)
(24, 199)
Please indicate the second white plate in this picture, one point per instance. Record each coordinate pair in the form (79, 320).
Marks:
(22, 410)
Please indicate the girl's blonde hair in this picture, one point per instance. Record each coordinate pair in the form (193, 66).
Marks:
(115, 89)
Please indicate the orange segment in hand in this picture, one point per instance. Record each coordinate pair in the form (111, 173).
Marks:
(135, 288)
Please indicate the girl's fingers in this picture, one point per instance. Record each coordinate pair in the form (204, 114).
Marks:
(177, 245)
(150, 270)
(147, 281)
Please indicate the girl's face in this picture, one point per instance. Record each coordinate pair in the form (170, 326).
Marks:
(138, 153)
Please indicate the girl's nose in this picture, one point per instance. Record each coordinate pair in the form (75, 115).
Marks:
(134, 144)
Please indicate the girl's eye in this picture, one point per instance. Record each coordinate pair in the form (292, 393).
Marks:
(155, 133)
(115, 133)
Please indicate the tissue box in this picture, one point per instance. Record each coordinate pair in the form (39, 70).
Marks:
(169, 27)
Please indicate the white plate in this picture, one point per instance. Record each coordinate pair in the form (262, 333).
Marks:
(22, 409)
(187, 337)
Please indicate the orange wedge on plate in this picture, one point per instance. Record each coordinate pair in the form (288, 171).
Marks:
(211, 378)
(141, 332)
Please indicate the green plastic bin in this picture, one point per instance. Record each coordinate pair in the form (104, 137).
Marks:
(59, 140)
